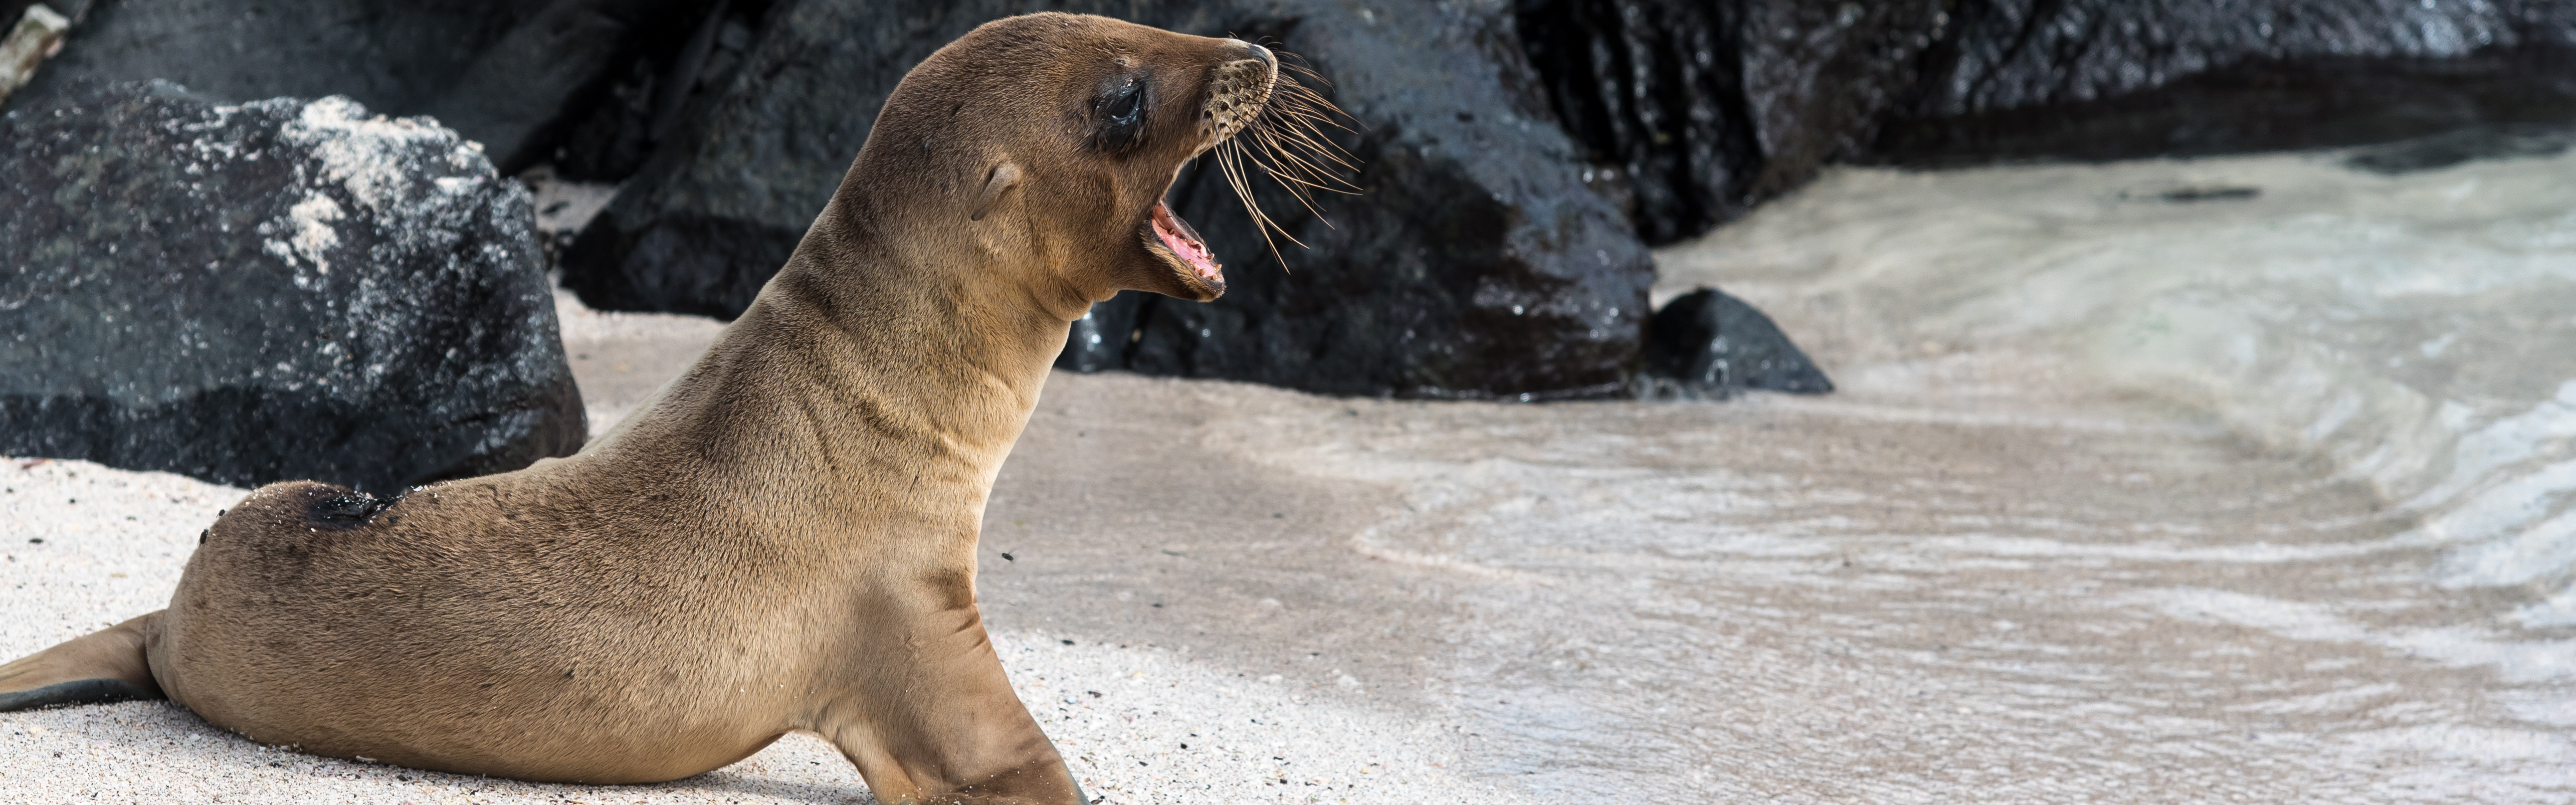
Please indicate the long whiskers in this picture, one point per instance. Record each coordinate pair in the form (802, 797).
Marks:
(1287, 143)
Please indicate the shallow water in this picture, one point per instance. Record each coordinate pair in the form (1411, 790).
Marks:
(1835, 602)
(2264, 494)
(2416, 331)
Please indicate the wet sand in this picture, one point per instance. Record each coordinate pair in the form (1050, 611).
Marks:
(1966, 577)
(1814, 601)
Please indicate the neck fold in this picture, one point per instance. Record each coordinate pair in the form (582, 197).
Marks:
(871, 370)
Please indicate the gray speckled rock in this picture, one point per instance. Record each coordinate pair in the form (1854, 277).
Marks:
(270, 291)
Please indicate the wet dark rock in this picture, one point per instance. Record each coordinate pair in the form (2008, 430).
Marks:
(1654, 94)
(2260, 103)
(270, 291)
(1692, 111)
(2452, 148)
(510, 75)
(1475, 264)
(1708, 344)
(2009, 54)
(1701, 109)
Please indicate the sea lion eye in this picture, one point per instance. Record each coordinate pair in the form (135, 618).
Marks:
(1120, 122)
(1123, 108)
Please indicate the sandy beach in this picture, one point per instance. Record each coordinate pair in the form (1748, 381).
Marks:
(2011, 560)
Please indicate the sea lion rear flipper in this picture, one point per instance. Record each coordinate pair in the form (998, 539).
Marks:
(103, 666)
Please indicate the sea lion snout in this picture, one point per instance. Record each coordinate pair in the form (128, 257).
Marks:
(1238, 91)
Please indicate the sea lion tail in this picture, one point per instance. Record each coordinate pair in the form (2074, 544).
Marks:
(103, 666)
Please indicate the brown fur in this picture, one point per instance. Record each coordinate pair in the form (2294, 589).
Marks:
(784, 538)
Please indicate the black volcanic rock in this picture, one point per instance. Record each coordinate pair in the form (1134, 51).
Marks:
(2318, 103)
(672, 69)
(1708, 344)
(1655, 94)
(2115, 79)
(1475, 264)
(2007, 54)
(270, 291)
(503, 73)
(1693, 110)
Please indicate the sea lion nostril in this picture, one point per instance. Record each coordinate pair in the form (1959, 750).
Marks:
(1263, 54)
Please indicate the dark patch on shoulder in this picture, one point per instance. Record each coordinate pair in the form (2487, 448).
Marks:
(340, 508)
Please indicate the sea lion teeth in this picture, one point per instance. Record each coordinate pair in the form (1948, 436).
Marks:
(1184, 241)
(781, 539)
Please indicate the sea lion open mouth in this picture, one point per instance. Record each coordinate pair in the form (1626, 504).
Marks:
(1182, 244)
(1251, 119)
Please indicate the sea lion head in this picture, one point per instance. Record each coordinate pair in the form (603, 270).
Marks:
(1056, 137)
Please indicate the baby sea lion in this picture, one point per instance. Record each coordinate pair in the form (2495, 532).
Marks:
(783, 538)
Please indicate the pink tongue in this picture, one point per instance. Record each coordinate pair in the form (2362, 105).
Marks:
(1185, 246)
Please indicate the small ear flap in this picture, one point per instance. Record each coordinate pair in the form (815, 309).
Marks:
(1005, 177)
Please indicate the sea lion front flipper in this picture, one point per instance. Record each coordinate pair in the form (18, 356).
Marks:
(965, 739)
(103, 666)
